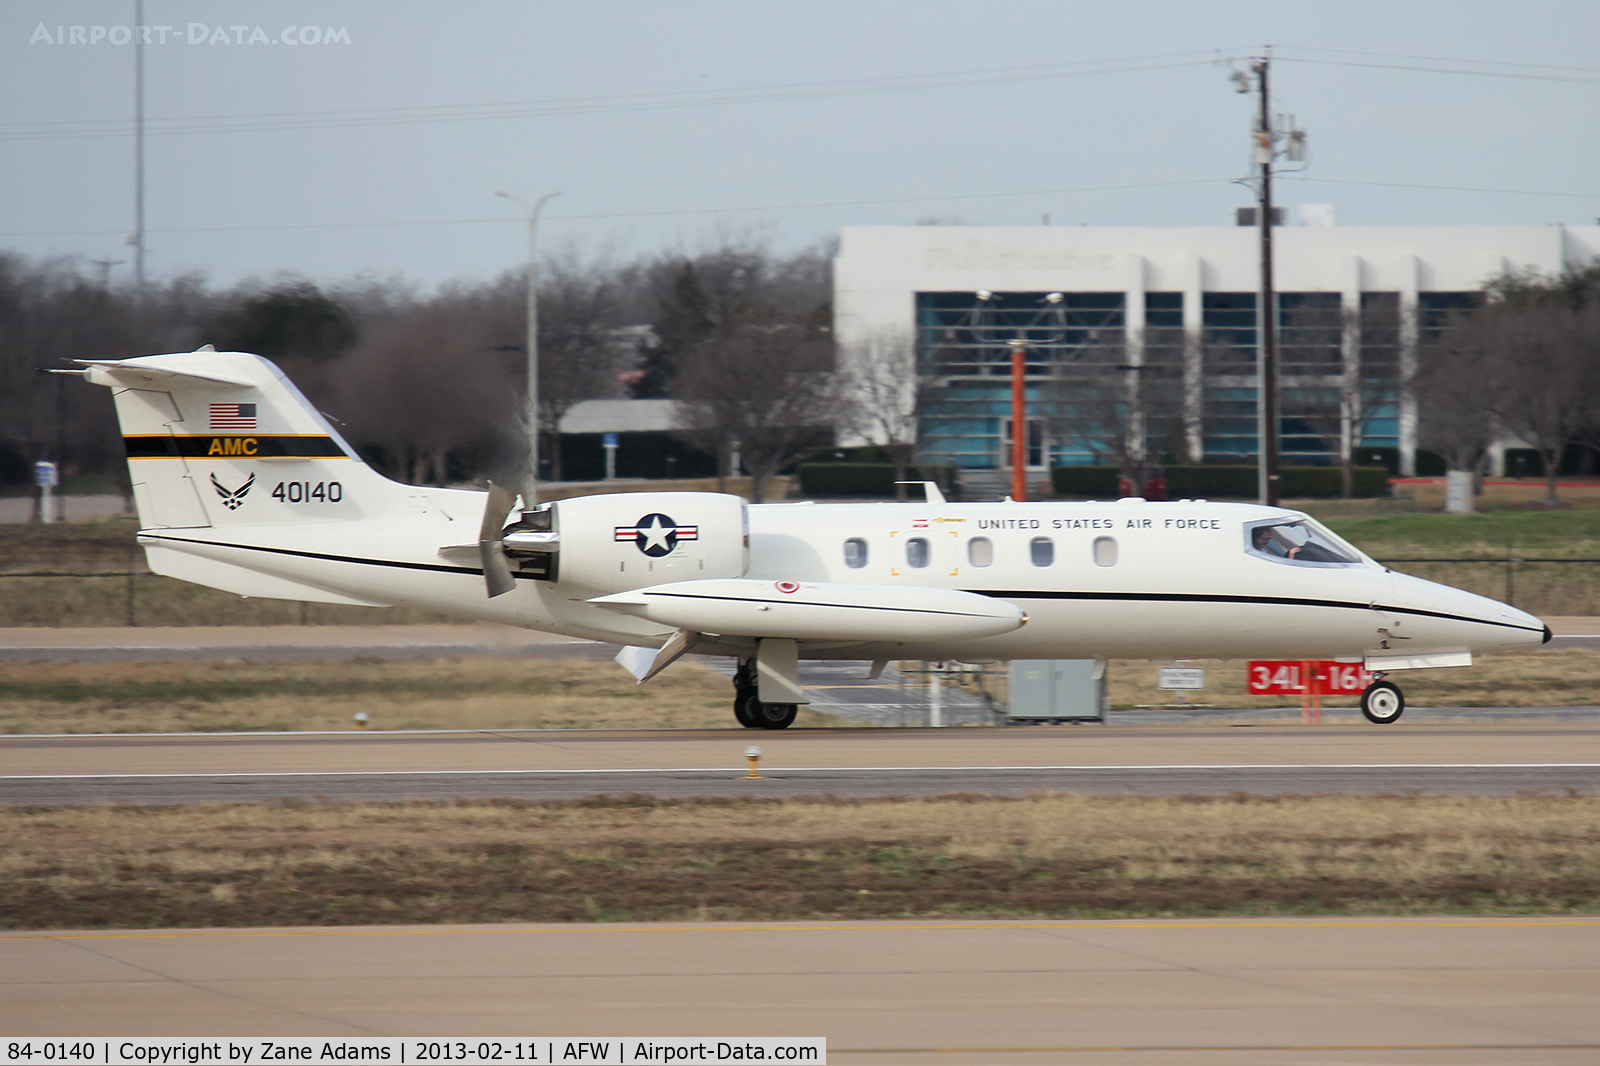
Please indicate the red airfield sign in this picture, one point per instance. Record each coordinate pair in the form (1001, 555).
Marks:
(1299, 677)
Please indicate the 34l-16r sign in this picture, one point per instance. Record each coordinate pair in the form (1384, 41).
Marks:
(1316, 677)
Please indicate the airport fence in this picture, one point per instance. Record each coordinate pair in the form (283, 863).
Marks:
(1541, 586)
(137, 597)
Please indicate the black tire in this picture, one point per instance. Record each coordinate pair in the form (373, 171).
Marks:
(743, 701)
(772, 715)
(1382, 703)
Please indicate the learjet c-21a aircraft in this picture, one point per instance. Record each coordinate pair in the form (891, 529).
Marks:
(243, 486)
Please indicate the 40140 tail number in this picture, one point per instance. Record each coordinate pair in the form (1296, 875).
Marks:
(308, 492)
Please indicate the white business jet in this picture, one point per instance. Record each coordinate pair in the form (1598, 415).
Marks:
(241, 485)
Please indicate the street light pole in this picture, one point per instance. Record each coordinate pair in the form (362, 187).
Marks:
(136, 238)
(530, 489)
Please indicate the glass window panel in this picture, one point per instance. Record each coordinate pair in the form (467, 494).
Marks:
(855, 553)
(1299, 541)
(1042, 551)
(980, 551)
(917, 552)
(1105, 551)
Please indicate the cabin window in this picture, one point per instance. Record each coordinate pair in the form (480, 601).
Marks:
(855, 553)
(980, 551)
(1042, 550)
(917, 552)
(1105, 551)
(1299, 541)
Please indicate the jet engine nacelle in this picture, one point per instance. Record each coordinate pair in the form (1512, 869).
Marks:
(629, 540)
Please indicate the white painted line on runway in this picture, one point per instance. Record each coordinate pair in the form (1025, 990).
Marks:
(832, 769)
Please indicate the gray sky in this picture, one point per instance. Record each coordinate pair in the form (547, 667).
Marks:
(825, 114)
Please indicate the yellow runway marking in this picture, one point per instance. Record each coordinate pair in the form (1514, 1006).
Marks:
(1442, 923)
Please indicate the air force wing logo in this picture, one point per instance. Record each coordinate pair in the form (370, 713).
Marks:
(656, 534)
(232, 499)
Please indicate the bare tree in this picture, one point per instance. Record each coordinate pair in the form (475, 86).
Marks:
(1117, 410)
(1327, 383)
(52, 312)
(687, 297)
(766, 383)
(884, 396)
(1452, 417)
(425, 385)
(1530, 361)
(578, 313)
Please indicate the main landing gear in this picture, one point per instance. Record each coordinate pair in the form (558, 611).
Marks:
(1382, 702)
(747, 705)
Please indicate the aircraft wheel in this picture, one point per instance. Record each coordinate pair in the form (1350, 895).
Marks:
(743, 701)
(772, 715)
(1382, 702)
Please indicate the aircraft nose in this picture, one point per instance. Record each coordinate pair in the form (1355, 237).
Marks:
(1547, 635)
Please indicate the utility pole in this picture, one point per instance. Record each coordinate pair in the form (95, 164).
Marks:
(1266, 135)
(1267, 312)
(530, 484)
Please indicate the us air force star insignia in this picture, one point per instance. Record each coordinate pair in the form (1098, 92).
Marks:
(656, 534)
(232, 499)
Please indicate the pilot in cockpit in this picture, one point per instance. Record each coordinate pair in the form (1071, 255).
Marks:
(1280, 540)
(1263, 541)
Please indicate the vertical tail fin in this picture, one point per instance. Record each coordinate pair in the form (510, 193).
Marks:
(224, 438)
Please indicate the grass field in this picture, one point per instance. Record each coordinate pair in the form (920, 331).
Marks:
(635, 859)
(466, 693)
(501, 693)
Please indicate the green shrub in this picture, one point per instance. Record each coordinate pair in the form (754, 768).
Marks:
(1294, 482)
(1092, 482)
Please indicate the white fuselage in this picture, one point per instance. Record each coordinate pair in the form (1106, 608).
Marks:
(1176, 581)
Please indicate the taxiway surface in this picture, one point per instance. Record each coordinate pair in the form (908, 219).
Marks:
(1133, 993)
(568, 764)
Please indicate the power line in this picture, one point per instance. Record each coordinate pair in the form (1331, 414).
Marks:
(793, 207)
(429, 114)
(1437, 59)
(1447, 188)
(682, 93)
(1442, 70)
(635, 214)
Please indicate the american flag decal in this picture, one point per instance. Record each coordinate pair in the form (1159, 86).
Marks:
(233, 417)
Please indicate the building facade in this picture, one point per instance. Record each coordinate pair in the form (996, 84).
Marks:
(1147, 339)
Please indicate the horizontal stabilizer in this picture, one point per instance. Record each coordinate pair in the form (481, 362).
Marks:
(138, 372)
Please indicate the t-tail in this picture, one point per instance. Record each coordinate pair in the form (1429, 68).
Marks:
(211, 434)
(220, 441)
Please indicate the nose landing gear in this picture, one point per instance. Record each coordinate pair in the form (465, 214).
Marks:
(748, 708)
(1382, 702)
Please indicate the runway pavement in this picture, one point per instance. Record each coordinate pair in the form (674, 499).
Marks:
(566, 764)
(1223, 992)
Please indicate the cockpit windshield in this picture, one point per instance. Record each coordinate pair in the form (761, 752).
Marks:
(1298, 540)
